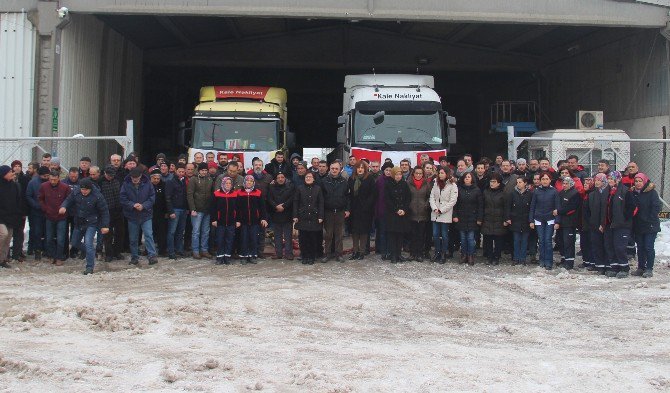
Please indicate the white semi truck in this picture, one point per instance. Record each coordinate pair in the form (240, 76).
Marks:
(393, 116)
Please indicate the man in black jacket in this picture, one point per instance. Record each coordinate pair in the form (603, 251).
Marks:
(10, 211)
(336, 210)
(278, 164)
(110, 189)
(159, 221)
(280, 201)
(177, 209)
(22, 180)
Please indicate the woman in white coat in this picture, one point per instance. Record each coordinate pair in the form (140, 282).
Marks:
(442, 199)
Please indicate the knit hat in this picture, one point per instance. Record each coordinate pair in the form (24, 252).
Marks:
(86, 183)
(182, 157)
(55, 161)
(569, 180)
(645, 178)
(43, 171)
(386, 165)
(202, 166)
(160, 155)
(212, 164)
(155, 171)
(15, 163)
(4, 170)
(615, 175)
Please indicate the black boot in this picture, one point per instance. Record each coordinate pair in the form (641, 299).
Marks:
(443, 259)
(353, 256)
(436, 257)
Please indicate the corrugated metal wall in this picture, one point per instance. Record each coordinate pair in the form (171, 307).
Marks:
(17, 80)
(101, 77)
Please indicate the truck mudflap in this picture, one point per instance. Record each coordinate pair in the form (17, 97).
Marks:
(396, 156)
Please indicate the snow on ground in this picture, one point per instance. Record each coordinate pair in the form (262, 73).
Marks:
(662, 244)
(358, 326)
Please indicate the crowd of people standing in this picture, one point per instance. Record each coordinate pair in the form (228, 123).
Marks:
(217, 210)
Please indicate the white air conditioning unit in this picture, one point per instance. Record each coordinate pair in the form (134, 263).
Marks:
(590, 120)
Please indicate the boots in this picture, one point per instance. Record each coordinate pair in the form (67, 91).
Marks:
(443, 260)
(436, 257)
(464, 258)
(471, 260)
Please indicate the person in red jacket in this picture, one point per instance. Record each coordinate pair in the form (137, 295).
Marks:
(251, 215)
(51, 196)
(223, 215)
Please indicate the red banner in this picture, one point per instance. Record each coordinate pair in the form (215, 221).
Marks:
(372, 155)
(253, 92)
(230, 156)
(435, 155)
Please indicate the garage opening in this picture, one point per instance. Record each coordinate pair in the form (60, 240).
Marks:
(474, 66)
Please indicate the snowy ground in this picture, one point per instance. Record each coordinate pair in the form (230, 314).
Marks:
(358, 326)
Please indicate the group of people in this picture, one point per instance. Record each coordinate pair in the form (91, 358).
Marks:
(527, 209)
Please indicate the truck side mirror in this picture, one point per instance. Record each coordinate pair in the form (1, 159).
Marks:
(341, 119)
(451, 121)
(451, 136)
(341, 135)
(290, 139)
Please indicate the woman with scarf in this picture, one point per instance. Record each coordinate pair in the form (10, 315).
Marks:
(397, 199)
(518, 207)
(595, 209)
(468, 215)
(419, 212)
(223, 214)
(646, 224)
(361, 201)
(570, 212)
(494, 226)
(308, 218)
(251, 216)
(443, 197)
(544, 218)
(618, 226)
(381, 243)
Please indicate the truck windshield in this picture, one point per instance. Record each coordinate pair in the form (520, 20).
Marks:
(397, 128)
(228, 134)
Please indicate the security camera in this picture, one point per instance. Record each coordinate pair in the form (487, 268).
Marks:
(63, 12)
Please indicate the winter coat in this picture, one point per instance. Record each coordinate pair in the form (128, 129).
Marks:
(308, 207)
(483, 183)
(90, 210)
(595, 208)
(32, 193)
(494, 212)
(199, 193)
(110, 189)
(274, 167)
(223, 208)
(175, 195)
(570, 208)
(469, 208)
(362, 205)
(518, 207)
(281, 194)
(160, 205)
(144, 194)
(648, 206)
(545, 201)
(443, 200)
(250, 207)
(419, 208)
(10, 208)
(23, 181)
(620, 208)
(397, 196)
(51, 198)
(335, 197)
(508, 182)
(380, 205)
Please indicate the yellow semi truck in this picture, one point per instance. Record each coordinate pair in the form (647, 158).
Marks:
(241, 121)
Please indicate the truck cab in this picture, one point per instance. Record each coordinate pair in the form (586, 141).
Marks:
(393, 116)
(241, 121)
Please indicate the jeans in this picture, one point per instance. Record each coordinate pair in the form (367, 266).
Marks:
(225, 238)
(544, 234)
(283, 238)
(249, 235)
(441, 237)
(645, 250)
(36, 221)
(88, 233)
(133, 237)
(520, 240)
(176, 226)
(381, 243)
(616, 243)
(56, 250)
(200, 234)
(467, 242)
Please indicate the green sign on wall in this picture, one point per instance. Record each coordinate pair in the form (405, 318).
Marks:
(54, 120)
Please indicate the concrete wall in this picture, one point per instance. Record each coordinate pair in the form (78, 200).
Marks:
(101, 75)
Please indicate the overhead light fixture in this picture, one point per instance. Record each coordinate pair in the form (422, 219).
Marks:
(422, 60)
